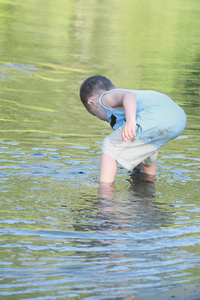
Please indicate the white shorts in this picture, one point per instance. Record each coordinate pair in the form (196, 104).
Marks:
(131, 153)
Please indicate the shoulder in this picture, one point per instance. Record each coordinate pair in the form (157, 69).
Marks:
(114, 98)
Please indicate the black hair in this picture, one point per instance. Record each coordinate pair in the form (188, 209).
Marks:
(94, 85)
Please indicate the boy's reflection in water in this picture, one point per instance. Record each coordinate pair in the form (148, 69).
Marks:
(132, 211)
(136, 209)
(141, 185)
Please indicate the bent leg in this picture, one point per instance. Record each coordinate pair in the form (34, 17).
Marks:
(150, 170)
(108, 169)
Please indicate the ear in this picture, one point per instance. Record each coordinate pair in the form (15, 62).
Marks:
(92, 101)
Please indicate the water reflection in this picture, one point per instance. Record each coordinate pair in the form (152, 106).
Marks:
(141, 186)
(136, 209)
(120, 244)
(192, 84)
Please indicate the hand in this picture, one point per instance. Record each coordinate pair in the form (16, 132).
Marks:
(128, 131)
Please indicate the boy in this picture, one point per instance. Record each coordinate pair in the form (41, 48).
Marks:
(143, 121)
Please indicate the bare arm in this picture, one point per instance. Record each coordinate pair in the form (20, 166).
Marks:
(130, 105)
(123, 99)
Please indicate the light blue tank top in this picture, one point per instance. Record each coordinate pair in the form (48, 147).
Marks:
(159, 119)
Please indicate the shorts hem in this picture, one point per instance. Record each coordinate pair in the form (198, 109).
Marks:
(131, 153)
(118, 159)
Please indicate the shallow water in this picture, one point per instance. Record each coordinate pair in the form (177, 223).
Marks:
(63, 236)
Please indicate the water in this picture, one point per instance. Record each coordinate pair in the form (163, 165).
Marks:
(63, 236)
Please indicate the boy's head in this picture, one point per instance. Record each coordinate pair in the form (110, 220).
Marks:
(92, 86)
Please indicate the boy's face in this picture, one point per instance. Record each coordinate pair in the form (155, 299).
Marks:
(96, 109)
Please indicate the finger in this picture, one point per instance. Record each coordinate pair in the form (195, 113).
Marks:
(130, 134)
(124, 136)
(125, 140)
(133, 133)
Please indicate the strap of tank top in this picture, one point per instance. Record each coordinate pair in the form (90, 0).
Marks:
(100, 98)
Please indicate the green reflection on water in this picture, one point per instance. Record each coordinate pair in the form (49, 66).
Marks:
(151, 46)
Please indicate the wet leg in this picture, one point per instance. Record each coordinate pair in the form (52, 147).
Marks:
(108, 169)
(150, 170)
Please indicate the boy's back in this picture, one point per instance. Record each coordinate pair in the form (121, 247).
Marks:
(158, 117)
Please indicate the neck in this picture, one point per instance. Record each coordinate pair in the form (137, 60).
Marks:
(98, 110)
(102, 113)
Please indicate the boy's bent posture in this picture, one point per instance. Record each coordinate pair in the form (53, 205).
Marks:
(143, 121)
